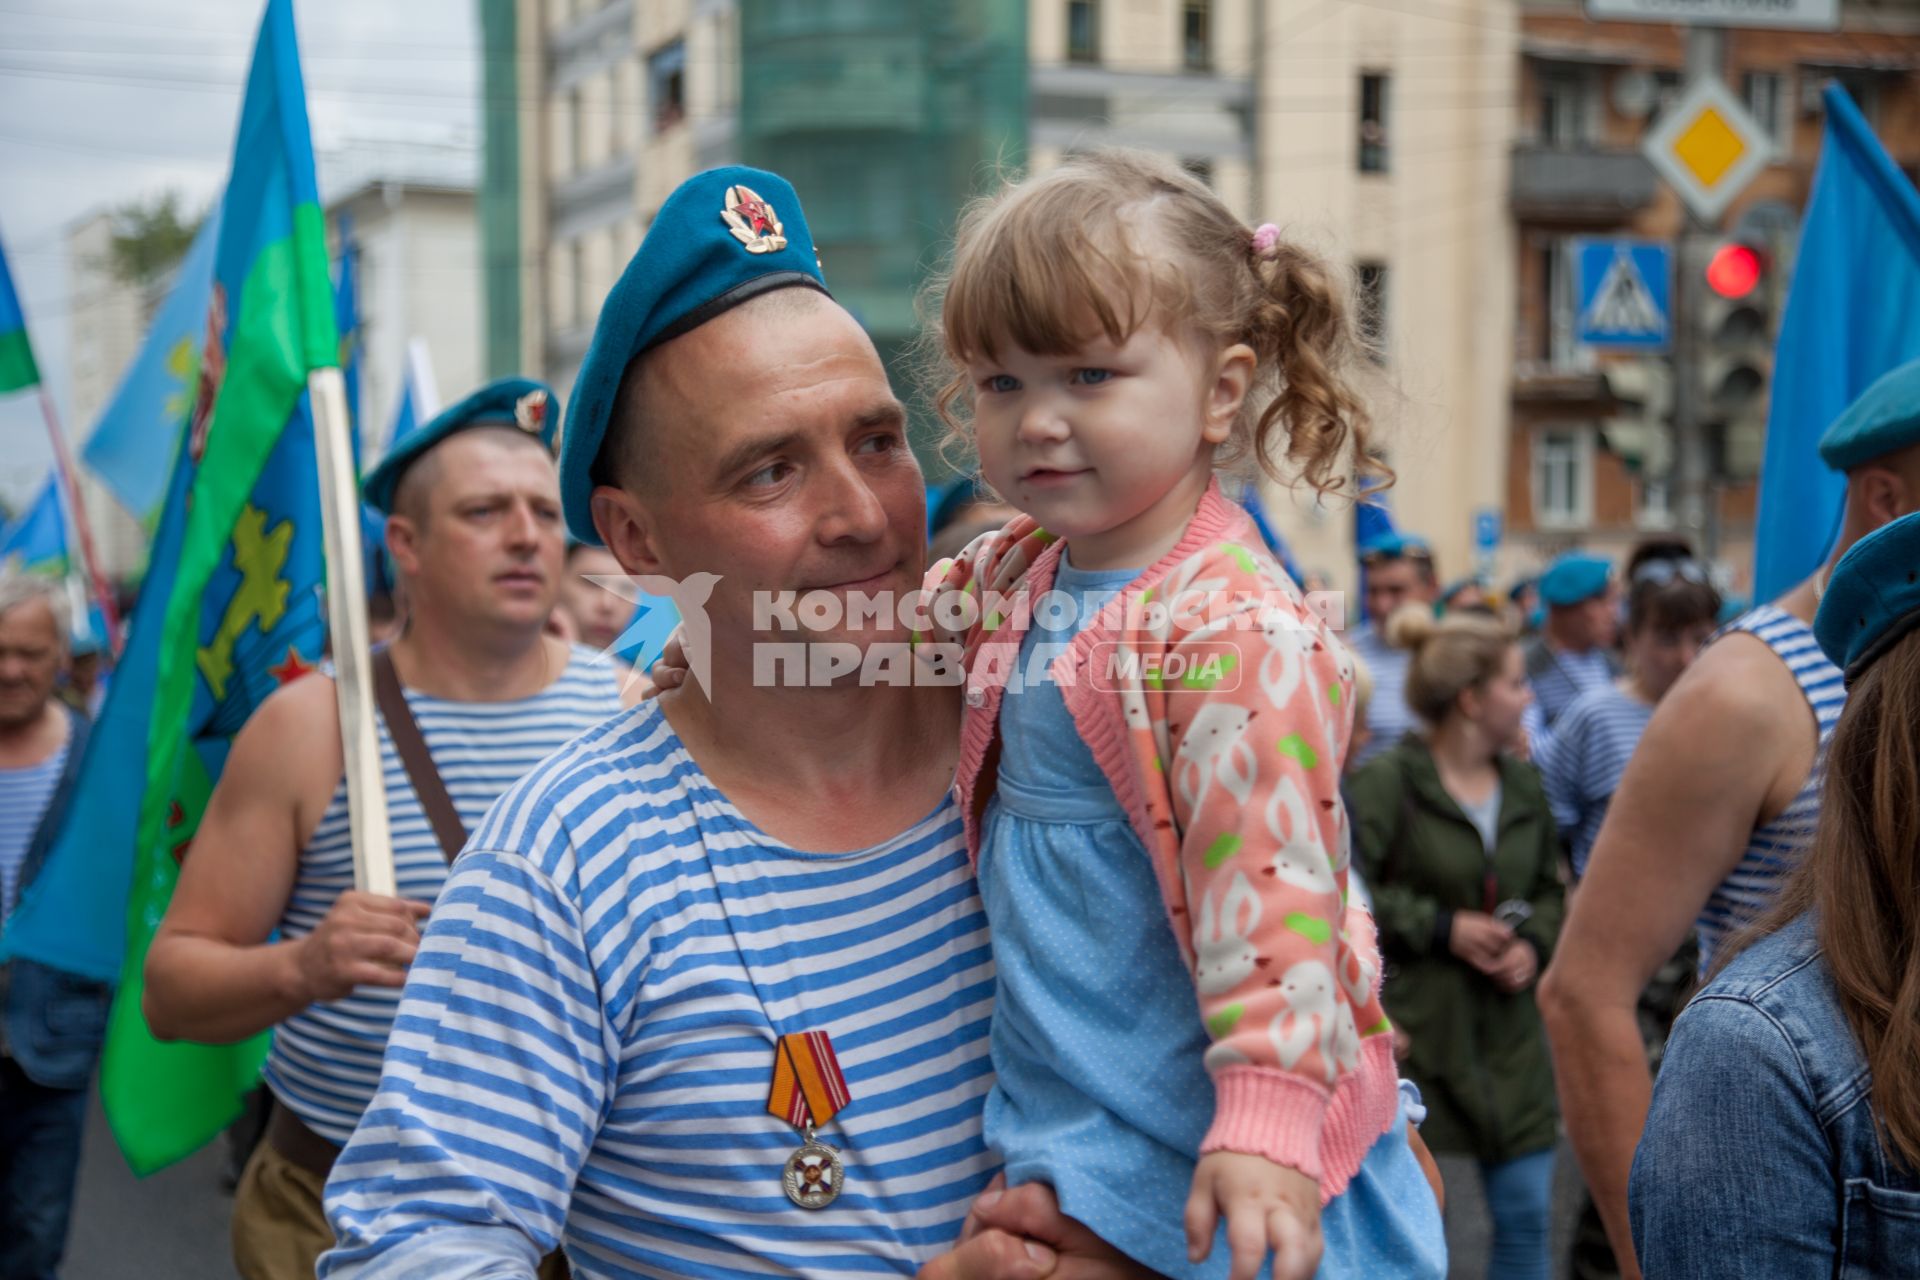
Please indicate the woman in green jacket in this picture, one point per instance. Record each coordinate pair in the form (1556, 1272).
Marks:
(1458, 844)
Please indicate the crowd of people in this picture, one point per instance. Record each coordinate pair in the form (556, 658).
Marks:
(1142, 920)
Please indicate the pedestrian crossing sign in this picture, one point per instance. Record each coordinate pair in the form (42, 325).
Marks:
(1625, 294)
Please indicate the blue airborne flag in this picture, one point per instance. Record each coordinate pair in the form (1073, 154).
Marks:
(37, 541)
(134, 440)
(1853, 313)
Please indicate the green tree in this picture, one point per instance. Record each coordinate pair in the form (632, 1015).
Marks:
(150, 237)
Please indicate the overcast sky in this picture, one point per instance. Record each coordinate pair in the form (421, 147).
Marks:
(116, 100)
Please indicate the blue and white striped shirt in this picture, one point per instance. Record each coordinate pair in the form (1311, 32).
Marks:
(24, 796)
(325, 1060)
(586, 1040)
(1583, 762)
(1389, 718)
(1776, 848)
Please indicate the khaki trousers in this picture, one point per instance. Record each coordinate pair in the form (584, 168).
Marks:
(280, 1229)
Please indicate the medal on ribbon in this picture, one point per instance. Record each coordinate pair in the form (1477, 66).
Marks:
(808, 1091)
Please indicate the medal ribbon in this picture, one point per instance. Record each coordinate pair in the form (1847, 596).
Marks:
(808, 1089)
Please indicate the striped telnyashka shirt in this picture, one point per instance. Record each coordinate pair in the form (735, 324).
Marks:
(325, 1060)
(587, 1039)
(1584, 759)
(24, 796)
(1775, 849)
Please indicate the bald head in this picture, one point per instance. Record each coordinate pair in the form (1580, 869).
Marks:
(693, 375)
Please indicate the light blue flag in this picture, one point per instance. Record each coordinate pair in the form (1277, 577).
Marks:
(1853, 313)
(37, 541)
(133, 443)
(653, 621)
(346, 318)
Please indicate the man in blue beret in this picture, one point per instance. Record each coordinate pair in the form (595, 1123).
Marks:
(265, 929)
(1717, 804)
(1573, 653)
(1396, 569)
(708, 993)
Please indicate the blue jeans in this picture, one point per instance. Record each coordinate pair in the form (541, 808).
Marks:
(1520, 1196)
(39, 1161)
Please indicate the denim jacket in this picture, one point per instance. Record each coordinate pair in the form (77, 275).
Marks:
(1759, 1156)
(52, 1023)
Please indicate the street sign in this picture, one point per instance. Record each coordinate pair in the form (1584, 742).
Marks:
(1486, 529)
(1624, 294)
(1792, 15)
(1708, 148)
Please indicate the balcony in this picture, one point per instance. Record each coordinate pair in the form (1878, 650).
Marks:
(1582, 184)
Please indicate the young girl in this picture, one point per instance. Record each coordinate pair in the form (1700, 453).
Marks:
(1155, 733)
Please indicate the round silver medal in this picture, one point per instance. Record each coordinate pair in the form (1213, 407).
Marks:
(813, 1175)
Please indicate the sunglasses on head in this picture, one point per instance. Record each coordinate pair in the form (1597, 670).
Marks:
(1660, 572)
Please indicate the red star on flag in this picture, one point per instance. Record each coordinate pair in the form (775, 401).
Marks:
(292, 669)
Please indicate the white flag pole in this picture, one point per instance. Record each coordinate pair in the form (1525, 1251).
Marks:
(347, 628)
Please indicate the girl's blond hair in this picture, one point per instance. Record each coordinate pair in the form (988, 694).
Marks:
(1114, 237)
(1451, 655)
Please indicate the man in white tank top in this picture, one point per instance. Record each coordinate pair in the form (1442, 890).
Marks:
(474, 530)
(1717, 799)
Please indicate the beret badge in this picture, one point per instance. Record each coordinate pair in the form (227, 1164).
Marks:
(752, 221)
(530, 412)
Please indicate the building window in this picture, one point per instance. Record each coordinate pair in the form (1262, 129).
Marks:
(1196, 33)
(1370, 310)
(1563, 478)
(1083, 31)
(667, 85)
(576, 131)
(1566, 108)
(1766, 98)
(1373, 122)
(577, 268)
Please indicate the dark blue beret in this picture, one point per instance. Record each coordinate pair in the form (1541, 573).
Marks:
(509, 402)
(722, 237)
(1573, 578)
(1886, 417)
(1873, 598)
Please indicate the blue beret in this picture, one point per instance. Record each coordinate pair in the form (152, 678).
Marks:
(1886, 417)
(1873, 598)
(1573, 578)
(509, 402)
(722, 237)
(1393, 545)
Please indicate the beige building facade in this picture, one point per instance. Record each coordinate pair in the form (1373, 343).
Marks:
(1379, 136)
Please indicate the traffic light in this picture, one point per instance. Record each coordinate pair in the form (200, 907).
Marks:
(1737, 317)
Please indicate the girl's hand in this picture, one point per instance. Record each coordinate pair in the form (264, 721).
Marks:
(1266, 1205)
(669, 671)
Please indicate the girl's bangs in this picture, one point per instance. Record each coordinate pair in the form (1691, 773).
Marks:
(1045, 282)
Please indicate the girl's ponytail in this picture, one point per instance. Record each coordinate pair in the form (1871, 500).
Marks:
(1301, 327)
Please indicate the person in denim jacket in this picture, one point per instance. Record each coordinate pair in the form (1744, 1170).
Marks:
(1784, 1136)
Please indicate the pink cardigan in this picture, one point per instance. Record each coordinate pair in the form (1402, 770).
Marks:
(1221, 721)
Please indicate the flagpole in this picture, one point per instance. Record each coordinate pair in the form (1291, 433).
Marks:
(70, 482)
(347, 629)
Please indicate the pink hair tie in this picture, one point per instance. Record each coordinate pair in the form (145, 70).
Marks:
(1266, 238)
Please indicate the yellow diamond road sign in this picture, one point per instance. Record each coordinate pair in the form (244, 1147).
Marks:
(1708, 148)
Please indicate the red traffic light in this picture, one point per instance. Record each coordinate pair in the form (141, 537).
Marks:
(1734, 271)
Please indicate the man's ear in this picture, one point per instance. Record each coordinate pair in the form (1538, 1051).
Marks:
(1881, 494)
(1233, 372)
(403, 544)
(628, 529)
